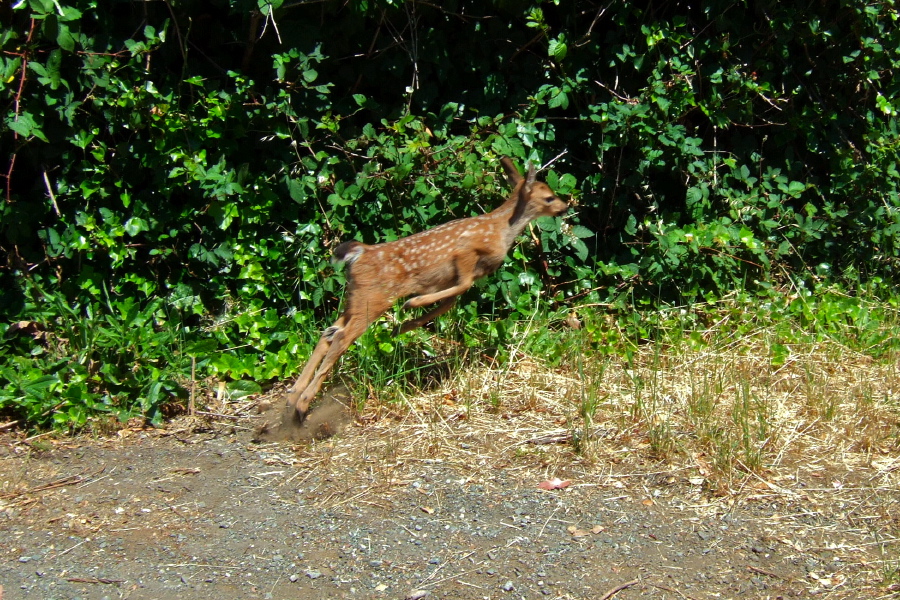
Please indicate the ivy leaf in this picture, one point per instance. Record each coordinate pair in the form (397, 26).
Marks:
(65, 39)
(242, 388)
(581, 249)
(580, 231)
(558, 99)
(67, 13)
(26, 127)
(558, 50)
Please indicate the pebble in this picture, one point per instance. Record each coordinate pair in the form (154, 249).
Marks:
(313, 574)
(508, 586)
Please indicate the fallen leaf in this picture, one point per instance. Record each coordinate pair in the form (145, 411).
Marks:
(648, 502)
(427, 510)
(597, 528)
(554, 484)
(31, 328)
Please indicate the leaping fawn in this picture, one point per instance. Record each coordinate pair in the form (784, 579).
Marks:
(436, 265)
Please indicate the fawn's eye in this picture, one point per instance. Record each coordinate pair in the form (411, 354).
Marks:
(550, 199)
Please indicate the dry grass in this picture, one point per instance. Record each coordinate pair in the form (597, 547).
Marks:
(725, 408)
(814, 426)
(706, 422)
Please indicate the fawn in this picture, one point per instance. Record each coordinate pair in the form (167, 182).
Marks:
(436, 265)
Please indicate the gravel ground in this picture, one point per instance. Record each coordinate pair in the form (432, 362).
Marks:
(399, 512)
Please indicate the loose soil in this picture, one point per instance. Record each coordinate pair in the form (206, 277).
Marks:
(440, 504)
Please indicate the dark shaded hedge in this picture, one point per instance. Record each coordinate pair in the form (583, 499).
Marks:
(204, 153)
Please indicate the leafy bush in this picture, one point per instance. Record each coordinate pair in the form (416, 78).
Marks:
(192, 170)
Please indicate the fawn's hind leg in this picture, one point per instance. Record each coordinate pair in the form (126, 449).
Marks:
(361, 312)
(321, 349)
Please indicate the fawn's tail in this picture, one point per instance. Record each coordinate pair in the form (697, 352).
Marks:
(348, 252)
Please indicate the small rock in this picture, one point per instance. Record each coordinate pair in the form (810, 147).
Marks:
(434, 561)
(313, 574)
(508, 586)
(294, 578)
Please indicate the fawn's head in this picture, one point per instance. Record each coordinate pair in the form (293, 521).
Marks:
(533, 198)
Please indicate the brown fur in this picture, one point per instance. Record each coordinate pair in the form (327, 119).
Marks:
(434, 266)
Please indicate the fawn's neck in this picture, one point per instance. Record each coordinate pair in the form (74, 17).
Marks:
(513, 215)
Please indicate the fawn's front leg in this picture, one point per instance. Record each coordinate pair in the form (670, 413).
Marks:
(443, 307)
(465, 276)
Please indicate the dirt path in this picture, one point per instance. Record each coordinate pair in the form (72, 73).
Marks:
(397, 511)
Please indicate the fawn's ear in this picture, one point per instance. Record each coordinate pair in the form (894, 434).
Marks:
(530, 177)
(512, 174)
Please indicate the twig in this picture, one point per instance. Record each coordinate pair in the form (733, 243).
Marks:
(764, 572)
(668, 589)
(23, 76)
(551, 437)
(71, 479)
(539, 35)
(52, 195)
(600, 13)
(221, 416)
(84, 541)
(93, 580)
(68, 480)
(191, 409)
(201, 566)
(550, 162)
(541, 532)
(8, 424)
(618, 589)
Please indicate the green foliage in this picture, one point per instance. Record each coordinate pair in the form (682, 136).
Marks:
(174, 182)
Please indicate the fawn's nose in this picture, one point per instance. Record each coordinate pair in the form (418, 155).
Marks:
(563, 209)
